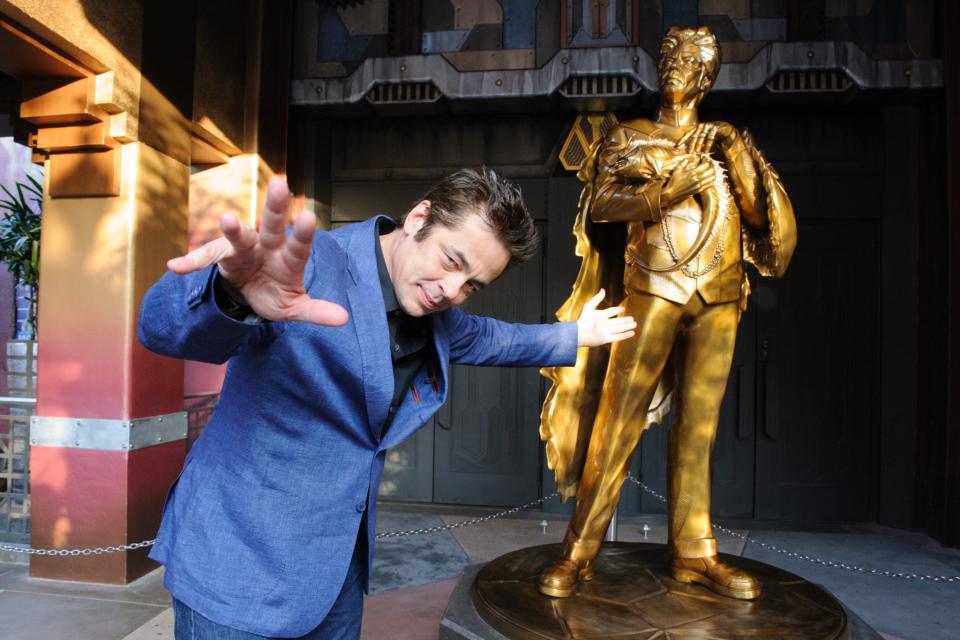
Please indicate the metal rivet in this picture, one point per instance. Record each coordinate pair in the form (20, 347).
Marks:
(160, 419)
(907, 72)
(159, 438)
(499, 82)
(403, 68)
(636, 58)
(76, 443)
(809, 54)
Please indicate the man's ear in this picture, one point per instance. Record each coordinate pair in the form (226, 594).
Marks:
(416, 218)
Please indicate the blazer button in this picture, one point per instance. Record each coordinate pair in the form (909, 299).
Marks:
(361, 506)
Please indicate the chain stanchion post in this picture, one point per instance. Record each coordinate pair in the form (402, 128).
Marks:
(611, 534)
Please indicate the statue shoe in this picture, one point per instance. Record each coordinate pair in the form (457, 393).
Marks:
(560, 578)
(717, 576)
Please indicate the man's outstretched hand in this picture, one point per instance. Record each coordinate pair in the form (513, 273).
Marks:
(601, 326)
(266, 268)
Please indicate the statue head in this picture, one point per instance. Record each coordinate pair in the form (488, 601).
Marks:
(689, 63)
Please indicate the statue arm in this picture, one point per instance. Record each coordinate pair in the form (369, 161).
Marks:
(747, 183)
(618, 198)
(616, 201)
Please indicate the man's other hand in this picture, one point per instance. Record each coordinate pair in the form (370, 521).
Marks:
(602, 326)
(266, 267)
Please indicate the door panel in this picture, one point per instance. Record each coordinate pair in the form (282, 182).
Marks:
(818, 375)
(408, 469)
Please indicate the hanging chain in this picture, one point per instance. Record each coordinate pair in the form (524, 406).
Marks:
(465, 523)
(96, 551)
(803, 556)
(90, 551)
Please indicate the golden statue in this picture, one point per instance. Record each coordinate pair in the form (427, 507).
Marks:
(670, 210)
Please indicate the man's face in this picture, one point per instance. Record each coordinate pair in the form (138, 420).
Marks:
(681, 73)
(446, 267)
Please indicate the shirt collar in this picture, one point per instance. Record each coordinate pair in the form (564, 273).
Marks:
(390, 302)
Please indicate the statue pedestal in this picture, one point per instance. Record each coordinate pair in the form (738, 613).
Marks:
(633, 597)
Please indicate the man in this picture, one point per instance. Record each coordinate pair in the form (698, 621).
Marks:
(677, 256)
(339, 347)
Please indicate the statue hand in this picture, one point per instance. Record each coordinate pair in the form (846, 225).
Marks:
(688, 179)
(596, 327)
(266, 268)
(701, 138)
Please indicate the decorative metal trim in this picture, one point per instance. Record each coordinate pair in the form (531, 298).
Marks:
(107, 435)
(594, 86)
(810, 81)
(404, 93)
(587, 128)
(632, 62)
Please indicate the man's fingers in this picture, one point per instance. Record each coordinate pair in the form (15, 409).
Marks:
(622, 325)
(297, 247)
(319, 312)
(610, 312)
(241, 236)
(201, 257)
(273, 222)
(594, 301)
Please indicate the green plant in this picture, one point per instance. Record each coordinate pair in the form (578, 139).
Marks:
(20, 239)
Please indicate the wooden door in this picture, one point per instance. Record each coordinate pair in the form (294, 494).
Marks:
(817, 362)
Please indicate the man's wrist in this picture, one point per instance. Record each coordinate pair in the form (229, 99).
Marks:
(229, 300)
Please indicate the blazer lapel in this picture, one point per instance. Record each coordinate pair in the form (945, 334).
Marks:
(370, 322)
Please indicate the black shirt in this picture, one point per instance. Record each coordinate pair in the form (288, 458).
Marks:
(410, 342)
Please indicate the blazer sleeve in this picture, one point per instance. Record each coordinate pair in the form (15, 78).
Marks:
(484, 341)
(180, 318)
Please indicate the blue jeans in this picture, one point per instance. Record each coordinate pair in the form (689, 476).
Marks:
(341, 623)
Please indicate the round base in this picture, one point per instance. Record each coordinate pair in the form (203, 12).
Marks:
(633, 596)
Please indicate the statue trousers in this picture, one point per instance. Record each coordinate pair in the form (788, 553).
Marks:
(700, 338)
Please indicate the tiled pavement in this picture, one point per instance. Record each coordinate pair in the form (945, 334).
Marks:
(413, 577)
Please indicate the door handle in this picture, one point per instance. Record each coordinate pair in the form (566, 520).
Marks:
(745, 401)
(771, 401)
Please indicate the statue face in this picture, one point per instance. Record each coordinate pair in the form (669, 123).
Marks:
(682, 74)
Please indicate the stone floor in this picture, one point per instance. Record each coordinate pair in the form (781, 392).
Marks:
(413, 577)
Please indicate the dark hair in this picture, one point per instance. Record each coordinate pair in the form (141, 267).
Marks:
(497, 200)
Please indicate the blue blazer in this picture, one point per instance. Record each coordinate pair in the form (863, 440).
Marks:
(259, 529)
